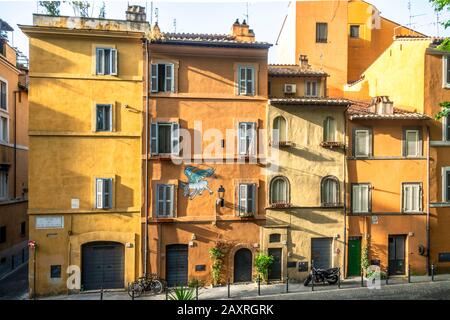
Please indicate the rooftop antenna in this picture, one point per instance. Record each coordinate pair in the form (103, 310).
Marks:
(175, 25)
(411, 16)
(156, 15)
(246, 13)
(438, 23)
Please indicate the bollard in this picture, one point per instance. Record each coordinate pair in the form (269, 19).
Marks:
(101, 294)
(362, 277)
(132, 294)
(196, 292)
(432, 272)
(259, 285)
(287, 284)
(409, 273)
(387, 276)
(312, 280)
(167, 293)
(339, 278)
(228, 285)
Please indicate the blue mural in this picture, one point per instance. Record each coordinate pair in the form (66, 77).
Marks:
(197, 182)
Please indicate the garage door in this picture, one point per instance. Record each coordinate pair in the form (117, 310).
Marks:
(321, 252)
(103, 265)
(177, 265)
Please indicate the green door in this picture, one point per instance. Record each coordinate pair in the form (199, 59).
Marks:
(354, 257)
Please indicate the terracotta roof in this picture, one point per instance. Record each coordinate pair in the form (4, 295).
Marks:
(359, 110)
(293, 71)
(309, 101)
(217, 40)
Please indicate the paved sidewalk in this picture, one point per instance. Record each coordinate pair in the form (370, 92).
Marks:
(272, 291)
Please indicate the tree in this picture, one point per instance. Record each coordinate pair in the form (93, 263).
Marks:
(51, 7)
(443, 5)
(81, 8)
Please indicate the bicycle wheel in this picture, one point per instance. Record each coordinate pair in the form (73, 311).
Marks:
(136, 288)
(156, 286)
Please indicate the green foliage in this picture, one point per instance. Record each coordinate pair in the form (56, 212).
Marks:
(365, 258)
(80, 8)
(445, 110)
(193, 283)
(263, 262)
(51, 7)
(182, 293)
(217, 254)
(444, 46)
(441, 5)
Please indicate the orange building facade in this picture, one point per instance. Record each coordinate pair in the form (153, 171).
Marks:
(206, 182)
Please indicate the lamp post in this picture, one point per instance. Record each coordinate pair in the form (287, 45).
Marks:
(221, 193)
(32, 245)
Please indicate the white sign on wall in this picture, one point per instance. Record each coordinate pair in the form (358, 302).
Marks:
(50, 222)
(75, 203)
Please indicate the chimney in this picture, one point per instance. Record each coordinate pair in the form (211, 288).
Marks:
(382, 106)
(242, 32)
(304, 62)
(136, 14)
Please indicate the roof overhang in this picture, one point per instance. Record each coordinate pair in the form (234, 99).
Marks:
(32, 30)
(311, 102)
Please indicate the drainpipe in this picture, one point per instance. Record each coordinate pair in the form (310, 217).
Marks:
(344, 272)
(145, 42)
(428, 200)
(15, 143)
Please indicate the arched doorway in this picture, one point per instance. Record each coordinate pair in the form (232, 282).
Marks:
(177, 265)
(102, 265)
(243, 265)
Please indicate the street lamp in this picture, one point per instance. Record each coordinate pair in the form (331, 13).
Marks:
(221, 193)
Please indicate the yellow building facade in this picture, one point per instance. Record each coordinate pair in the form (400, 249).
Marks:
(86, 81)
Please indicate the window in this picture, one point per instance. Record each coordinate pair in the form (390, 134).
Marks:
(329, 130)
(106, 61)
(104, 117)
(23, 229)
(247, 138)
(103, 189)
(3, 184)
(247, 199)
(446, 184)
(412, 198)
(362, 143)
(246, 80)
(162, 77)
(279, 191)
(3, 95)
(165, 194)
(330, 192)
(412, 144)
(321, 32)
(446, 128)
(275, 238)
(361, 198)
(165, 138)
(55, 271)
(354, 31)
(311, 88)
(4, 129)
(446, 71)
(2, 234)
(279, 130)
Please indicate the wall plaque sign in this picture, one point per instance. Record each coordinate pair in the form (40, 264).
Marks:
(50, 222)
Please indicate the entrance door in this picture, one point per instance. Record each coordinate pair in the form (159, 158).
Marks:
(103, 265)
(275, 269)
(321, 252)
(177, 265)
(243, 265)
(397, 255)
(354, 257)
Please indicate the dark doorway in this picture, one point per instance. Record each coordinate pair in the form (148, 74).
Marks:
(103, 265)
(354, 256)
(177, 265)
(243, 265)
(321, 252)
(397, 255)
(275, 269)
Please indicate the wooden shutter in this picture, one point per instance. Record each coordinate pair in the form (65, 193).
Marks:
(170, 195)
(251, 197)
(242, 198)
(242, 138)
(113, 58)
(253, 138)
(154, 77)
(154, 138)
(99, 193)
(242, 81)
(175, 137)
(107, 193)
(250, 77)
(169, 79)
(100, 61)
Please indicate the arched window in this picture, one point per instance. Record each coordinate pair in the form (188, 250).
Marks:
(330, 191)
(329, 130)
(279, 133)
(279, 191)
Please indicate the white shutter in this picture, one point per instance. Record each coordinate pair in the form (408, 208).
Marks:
(242, 138)
(170, 200)
(365, 199)
(175, 137)
(100, 61)
(362, 143)
(242, 81)
(113, 58)
(356, 199)
(253, 139)
(250, 81)
(154, 138)
(242, 198)
(99, 193)
(154, 78)
(169, 83)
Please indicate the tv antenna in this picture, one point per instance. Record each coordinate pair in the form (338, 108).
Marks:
(246, 13)
(438, 23)
(411, 16)
(156, 14)
(175, 25)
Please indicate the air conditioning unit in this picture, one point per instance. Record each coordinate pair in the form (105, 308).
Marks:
(290, 88)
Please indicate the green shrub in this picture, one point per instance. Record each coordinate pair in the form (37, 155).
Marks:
(263, 262)
(182, 293)
(193, 283)
(216, 253)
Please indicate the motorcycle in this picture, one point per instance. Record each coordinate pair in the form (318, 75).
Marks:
(331, 276)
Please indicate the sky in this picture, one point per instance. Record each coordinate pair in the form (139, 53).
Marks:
(264, 17)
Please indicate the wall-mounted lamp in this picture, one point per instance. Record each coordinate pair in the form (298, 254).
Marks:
(221, 193)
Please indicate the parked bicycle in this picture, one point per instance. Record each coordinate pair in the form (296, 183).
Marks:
(150, 284)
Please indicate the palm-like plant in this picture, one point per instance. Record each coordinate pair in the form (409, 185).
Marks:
(182, 293)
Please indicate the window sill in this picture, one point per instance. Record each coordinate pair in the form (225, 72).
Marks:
(246, 215)
(283, 144)
(439, 143)
(332, 145)
(280, 206)
(440, 205)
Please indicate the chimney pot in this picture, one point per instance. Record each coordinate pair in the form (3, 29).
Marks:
(136, 14)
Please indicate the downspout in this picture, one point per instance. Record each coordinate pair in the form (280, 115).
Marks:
(15, 143)
(428, 200)
(146, 258)
(344, 272)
